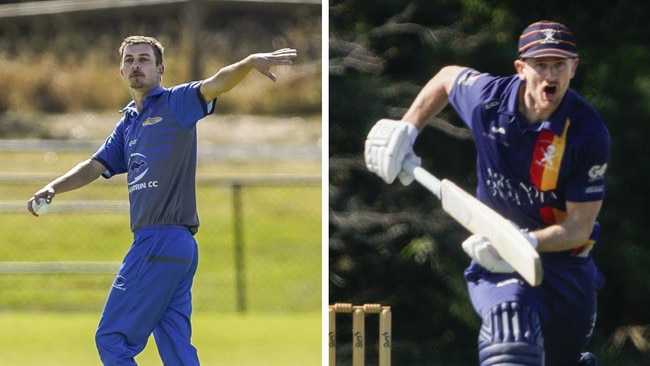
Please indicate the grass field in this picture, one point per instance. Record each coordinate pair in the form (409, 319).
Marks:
(57, 339)
(281, 230)
(281, 239)
(49, 319)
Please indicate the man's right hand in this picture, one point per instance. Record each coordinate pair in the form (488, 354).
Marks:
(480, 249)
(47, 194)
(388, 144)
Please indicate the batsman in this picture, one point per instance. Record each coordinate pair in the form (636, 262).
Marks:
(542, 154)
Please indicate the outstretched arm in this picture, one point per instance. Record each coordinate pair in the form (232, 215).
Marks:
(229, 76)
(433, 97)
(79, 176)
(390, 143)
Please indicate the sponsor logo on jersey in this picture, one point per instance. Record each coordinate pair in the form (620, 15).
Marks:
(492, 104)
(151, 121)
(597, 172)
(469, 78)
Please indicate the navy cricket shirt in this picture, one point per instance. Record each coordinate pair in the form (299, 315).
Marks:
(528, 172)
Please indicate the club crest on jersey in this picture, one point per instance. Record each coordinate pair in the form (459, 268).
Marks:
(549, 157)
(151, 121)
(119, 283)
(138, 169)
(549, 34)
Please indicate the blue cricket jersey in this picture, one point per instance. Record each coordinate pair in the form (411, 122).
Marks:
(157, 150)
(528, 172)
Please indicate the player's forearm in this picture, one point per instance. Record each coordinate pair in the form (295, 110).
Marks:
(225, 79)
(562, 237)
(433, 97)
(77, 177)
(573, 232)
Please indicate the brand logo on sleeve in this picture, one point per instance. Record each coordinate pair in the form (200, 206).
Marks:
(597, 172)
(469, 78)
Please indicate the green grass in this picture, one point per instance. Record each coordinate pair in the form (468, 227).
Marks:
(222, 339)
(281, 237)
(49, 319)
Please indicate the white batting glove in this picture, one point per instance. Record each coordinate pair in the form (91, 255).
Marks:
(406, 177)
(388, 143)
(480, 249)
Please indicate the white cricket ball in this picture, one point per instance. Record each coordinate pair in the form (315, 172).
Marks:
(41, 207)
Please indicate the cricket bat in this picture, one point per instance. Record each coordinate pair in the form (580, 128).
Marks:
(478, 218)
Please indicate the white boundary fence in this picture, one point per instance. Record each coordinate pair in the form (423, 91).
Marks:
(82, 267)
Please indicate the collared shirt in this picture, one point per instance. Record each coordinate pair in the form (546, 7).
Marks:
(157, 150)
(525, 171)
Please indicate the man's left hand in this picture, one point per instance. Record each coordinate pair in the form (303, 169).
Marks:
(263, 62)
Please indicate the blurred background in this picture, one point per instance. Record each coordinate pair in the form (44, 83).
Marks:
(257, 293)
(393, 244)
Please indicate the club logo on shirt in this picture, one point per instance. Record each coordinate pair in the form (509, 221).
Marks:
(151, 121)
(548, 161)
(136, 165)
(119, 283)
(138, 169)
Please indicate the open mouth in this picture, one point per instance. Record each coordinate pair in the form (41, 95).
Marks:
(550, 91)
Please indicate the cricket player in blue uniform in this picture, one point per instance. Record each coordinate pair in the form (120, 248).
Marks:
(155, 145)
(542, 154)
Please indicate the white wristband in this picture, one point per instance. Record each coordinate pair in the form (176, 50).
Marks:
(412, 132)
(531, 238)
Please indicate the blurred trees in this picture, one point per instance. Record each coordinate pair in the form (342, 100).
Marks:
(45, 60)
(393, 244)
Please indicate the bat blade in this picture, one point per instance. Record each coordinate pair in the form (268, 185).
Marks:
(478, 218)
(506, 238)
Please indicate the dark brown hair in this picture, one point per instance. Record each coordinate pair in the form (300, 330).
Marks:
(157, 47)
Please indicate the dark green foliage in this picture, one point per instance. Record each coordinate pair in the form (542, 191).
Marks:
(393, 244)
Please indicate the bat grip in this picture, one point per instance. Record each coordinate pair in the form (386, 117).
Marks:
(426, 179)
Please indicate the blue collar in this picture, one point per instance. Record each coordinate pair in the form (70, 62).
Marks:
(153, 93)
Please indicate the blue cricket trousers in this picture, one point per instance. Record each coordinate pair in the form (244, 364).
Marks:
(565, 302)
(151, 294)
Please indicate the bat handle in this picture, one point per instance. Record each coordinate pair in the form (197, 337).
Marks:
(426, 179)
